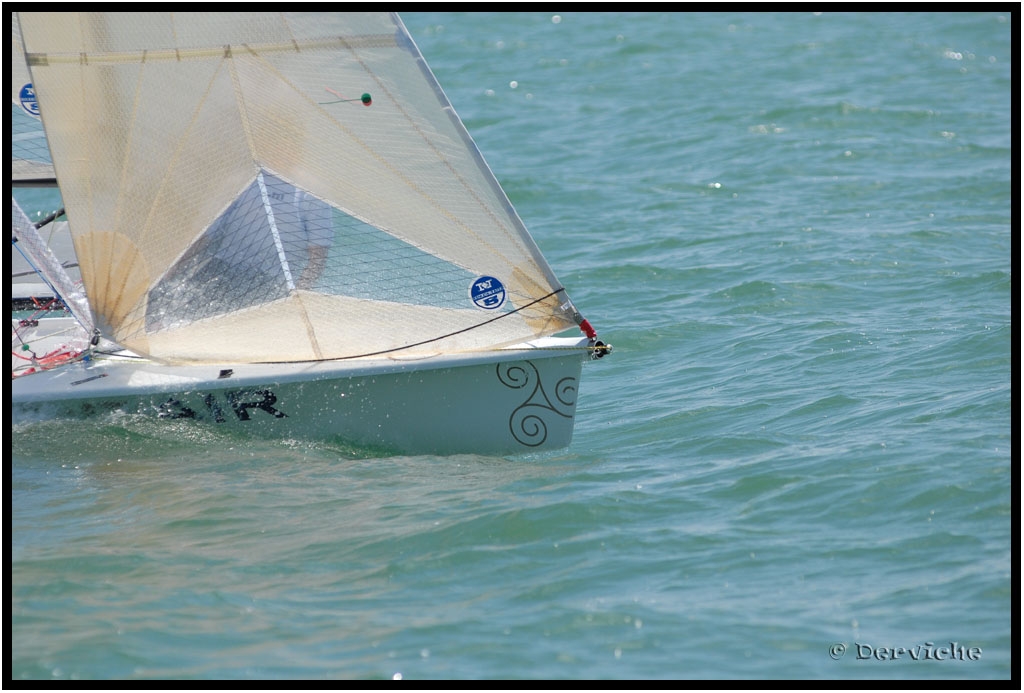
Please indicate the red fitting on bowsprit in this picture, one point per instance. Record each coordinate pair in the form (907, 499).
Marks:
(587, 329)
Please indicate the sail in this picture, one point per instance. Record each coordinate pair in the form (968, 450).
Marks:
(30, 157)
(264, 187)
(42, 258)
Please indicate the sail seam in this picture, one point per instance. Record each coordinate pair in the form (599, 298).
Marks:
(278, 244)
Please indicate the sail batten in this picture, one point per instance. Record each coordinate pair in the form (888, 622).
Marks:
(320, 185)
(179, 54)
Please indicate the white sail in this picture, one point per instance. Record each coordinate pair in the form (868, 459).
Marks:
(264, 187)
(42, 258)
(30, 157)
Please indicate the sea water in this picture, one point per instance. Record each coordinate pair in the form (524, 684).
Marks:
(797, 231)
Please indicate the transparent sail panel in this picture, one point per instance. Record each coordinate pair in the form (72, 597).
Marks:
(276, 238)
(234, 265)
(366, 262)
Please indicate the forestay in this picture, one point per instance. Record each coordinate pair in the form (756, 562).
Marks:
(263, 187)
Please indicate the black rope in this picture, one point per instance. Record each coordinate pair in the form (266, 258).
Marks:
(433, 339)
(43, 222)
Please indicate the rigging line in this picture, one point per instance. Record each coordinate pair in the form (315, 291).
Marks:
(43, 222)
(119, 354)
(14, 242)
(57, 294)
(433, 339)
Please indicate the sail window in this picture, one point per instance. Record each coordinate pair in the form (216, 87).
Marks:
(276, 238)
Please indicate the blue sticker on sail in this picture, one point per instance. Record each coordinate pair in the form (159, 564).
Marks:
(487, 293)
(28, 100)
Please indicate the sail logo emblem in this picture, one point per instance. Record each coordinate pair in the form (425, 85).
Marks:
(28, 100)
(487, 293)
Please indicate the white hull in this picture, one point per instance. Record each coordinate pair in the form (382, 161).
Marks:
(499, 402)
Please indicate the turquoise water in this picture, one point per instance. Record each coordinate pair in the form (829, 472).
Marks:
(795, 228)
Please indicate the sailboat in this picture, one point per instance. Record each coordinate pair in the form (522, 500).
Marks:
(284, 228)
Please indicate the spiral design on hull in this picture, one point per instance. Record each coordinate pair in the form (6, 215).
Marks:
(529, 421)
